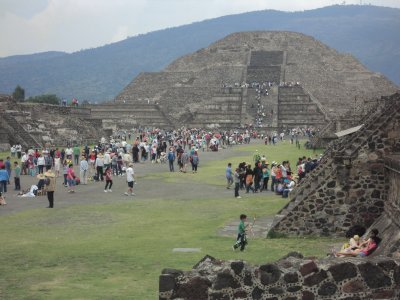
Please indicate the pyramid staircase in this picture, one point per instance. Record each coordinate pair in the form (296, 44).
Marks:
(17, 132)
(223, 111)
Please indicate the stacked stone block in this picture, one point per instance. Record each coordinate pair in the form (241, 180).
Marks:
(292, 277)
(296, 108)
(349, 187)
(35, 125)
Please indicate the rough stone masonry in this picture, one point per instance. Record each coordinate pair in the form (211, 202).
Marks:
(292, 277)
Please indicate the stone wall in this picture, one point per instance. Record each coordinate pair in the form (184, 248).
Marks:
(4, 144)
(349, 187)
(293, 277)
(34, 125)
(389, 223)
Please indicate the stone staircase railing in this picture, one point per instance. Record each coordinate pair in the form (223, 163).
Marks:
(370, 117)
(315, 100)
(374, 124)
(20, 134)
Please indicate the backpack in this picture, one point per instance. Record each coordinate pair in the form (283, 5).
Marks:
(194, 159)
(171, 156)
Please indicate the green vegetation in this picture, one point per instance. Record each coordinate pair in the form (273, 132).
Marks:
(49, 99)
(19, 94)
(117, 250)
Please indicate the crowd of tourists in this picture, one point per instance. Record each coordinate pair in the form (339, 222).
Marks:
(264, 176)
(181, 147)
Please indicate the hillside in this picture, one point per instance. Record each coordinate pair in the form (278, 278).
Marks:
(369, 33)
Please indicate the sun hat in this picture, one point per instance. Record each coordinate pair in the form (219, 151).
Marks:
(49, 173)
(40, 176)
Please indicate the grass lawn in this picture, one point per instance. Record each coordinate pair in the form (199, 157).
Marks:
(117, 250)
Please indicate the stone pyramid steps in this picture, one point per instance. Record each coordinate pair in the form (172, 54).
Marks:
(19, 134)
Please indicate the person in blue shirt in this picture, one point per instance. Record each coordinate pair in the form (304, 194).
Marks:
(7, 163)
(171, 159)
(229, 176)
(4, 178)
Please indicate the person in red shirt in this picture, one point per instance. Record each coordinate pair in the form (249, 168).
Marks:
(365, 248)
(109, 181)
(71, 178)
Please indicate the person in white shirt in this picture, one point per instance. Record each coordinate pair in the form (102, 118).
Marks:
(99, 165)
(107, 160)
(69, 152)
(40, 163)
(289, 185)
(130, 179)
(13, 150)
(83, 170)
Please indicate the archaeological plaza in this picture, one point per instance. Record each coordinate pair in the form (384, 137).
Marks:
(256, 89)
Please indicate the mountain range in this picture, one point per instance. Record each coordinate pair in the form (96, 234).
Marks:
(369, 33)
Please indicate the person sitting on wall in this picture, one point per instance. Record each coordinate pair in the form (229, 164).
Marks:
(288, 186)
(353, 244)
(365, 249)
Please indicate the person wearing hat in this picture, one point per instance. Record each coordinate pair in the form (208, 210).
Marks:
(353, 243)
(50, 186)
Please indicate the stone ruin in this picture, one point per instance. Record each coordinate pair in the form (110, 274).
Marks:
(357, 183)
(203, 89)
(291, 278)
(351, 185)
(35, 125)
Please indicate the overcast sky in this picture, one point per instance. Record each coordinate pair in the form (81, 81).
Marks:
(30, 26)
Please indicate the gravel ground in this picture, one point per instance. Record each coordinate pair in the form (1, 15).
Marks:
(148, 187)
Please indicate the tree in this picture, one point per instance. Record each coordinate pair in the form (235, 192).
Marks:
(49, 99)
(19, 94)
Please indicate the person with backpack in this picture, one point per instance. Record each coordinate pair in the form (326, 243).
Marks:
(194, 160)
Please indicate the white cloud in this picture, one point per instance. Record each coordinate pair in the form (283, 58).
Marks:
(71, 25)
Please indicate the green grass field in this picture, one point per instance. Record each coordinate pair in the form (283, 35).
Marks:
(117, 251)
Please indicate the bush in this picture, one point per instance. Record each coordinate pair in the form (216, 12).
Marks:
(272, 234)
(49, 99)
